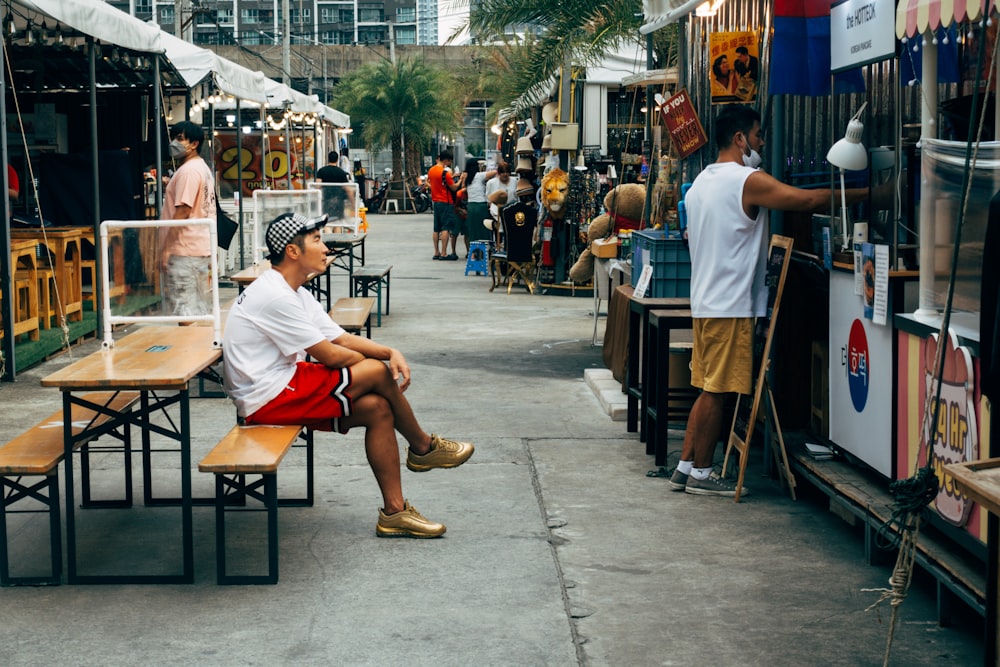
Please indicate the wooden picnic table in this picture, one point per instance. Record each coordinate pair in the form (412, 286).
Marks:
(151, 360)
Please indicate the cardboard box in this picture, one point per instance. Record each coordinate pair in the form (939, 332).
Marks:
(605, 247)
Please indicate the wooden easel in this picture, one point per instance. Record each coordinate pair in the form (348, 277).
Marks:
(746, 409)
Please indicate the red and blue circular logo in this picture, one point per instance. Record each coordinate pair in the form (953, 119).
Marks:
(858, 365)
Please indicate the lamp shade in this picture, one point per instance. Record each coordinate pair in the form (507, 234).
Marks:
(849, 153)
(581, 163)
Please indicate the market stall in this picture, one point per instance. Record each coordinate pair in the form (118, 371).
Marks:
(880, 289)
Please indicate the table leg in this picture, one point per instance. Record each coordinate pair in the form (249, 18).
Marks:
(651, 384)
(186, 502)
(350, 269)
(70, 495)
(632, 371)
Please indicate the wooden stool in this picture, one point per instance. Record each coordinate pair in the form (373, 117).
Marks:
(635, 369)
(47, 306)
(664, 404)
(26, 312)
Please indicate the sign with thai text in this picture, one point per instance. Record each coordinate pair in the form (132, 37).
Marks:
(955, 436)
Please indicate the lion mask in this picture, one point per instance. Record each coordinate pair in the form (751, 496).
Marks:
(555, 190)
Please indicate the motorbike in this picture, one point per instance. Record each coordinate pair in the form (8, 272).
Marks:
(421, 195)
(374, 202)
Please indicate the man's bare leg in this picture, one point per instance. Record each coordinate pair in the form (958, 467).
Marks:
(374, 377)
(375, 415)
(703, 428)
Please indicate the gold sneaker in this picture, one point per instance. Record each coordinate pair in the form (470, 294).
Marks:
(407, 523)
(444, 453)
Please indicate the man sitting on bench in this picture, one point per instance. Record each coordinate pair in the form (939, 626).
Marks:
(275, 322)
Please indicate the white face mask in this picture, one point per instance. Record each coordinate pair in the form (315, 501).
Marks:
(176, 149)
(752, 160)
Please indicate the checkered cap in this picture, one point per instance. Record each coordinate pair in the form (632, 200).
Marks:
(286, 227)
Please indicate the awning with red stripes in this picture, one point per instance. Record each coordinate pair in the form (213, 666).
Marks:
(915, 17)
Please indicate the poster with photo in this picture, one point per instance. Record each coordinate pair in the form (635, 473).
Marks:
(734, 66)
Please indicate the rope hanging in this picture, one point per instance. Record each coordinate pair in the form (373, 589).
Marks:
(61, 313)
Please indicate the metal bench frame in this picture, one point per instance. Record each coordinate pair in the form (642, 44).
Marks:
(231, 492)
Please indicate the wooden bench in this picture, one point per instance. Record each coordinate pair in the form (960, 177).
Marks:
(354, 314)
(256, 451)
(373, 276)
(37, 453)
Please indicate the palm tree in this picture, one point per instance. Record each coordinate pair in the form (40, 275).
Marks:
(395, 101)
(579, 32)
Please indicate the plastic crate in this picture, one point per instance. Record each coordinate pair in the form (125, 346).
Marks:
(670, 259)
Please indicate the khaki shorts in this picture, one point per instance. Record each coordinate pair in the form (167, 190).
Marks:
(722, 360)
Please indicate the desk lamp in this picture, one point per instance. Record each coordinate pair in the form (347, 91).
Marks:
(848, 153)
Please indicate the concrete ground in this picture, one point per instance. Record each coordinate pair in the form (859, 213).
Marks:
(560, 550)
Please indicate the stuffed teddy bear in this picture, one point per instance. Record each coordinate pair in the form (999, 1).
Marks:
(624, 206)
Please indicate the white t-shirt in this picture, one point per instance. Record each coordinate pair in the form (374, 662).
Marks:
(476, 190)
(728, 248)
(266, 334)
(495, 184)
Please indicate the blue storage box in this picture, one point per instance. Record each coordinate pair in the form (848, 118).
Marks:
(670, 259)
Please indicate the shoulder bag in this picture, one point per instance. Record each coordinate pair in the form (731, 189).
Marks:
(225, 226)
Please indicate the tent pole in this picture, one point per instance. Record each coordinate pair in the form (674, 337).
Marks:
(6, 279)
(158, 133)
(239, 179)
(99, 258)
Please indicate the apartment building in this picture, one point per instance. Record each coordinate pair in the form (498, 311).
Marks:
(258, 22)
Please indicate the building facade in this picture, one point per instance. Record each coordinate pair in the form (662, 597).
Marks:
(261, 22)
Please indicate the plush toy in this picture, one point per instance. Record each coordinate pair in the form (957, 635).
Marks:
(624, 206)
(555, 189)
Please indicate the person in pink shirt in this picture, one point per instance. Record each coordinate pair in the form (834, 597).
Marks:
(187, 250)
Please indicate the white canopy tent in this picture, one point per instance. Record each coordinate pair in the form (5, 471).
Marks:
(98, 21)
(186, 63)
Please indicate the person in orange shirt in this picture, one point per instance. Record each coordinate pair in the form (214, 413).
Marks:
(443, 189)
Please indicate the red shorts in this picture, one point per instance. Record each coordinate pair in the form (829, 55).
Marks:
(314, 397)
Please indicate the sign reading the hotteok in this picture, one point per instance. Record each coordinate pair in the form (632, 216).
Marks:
(682, 123)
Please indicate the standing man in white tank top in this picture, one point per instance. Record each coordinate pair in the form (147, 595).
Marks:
(728, 236)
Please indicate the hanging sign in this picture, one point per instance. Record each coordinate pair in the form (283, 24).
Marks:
(861, 32)
(683, 124)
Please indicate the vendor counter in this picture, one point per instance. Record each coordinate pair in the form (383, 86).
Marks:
(880, 379)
